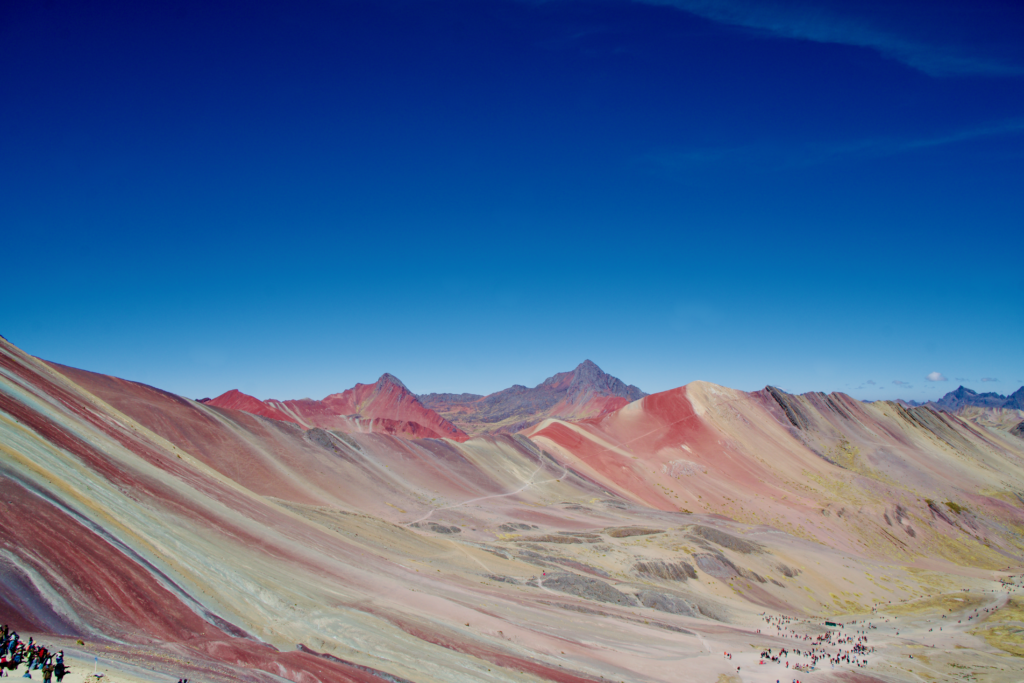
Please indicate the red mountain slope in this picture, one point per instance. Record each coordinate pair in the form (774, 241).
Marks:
(385, 406)
(707, 448)
(236, 400)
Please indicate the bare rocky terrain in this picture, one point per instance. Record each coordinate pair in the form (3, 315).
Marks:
(701, 533)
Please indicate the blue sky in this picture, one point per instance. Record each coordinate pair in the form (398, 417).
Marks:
(288, 198)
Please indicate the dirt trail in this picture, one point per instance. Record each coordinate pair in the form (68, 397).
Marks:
(528, 484)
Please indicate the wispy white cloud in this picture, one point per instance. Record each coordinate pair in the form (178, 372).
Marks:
(989, 379)
(901, 383)
(775, 157)
(985, 131)
(870, 381)
(820, 24)
(937, 377)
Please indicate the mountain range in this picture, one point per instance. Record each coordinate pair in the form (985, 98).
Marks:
(585, 393)
(985, 409)
(962, 396)
(686, 531)
(388, 407)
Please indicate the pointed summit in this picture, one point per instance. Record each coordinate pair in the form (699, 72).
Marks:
(962, 396)
(585, 392)
(388, 378)
(588, 379)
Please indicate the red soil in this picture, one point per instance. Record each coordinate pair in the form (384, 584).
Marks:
(105, 586)
(101, 583)
(436, 635)
(385, 407)
(236, 400)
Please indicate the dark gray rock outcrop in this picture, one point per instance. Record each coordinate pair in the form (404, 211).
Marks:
(586, 587)
(725, 540)
(666, 571)
(686, 606)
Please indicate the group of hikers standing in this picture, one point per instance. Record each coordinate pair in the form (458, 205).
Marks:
(14, 652)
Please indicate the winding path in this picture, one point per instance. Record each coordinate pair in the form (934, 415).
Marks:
(529, 482)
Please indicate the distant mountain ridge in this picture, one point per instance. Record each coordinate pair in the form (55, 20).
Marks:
(962, 396)
(582, 393)
(387, 406)
(987, 409)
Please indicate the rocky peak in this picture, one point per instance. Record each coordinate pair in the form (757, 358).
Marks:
(588, 378)
(962, 396)
(579, 393)
(388, 379)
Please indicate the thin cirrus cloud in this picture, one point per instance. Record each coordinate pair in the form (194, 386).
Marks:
(937, 377)
(870, 381)
(822, 24)
(901, 383)
(989, 379)
(772, 157)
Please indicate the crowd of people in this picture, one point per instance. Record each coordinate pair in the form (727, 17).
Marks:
(825, 646)
(14, 652)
